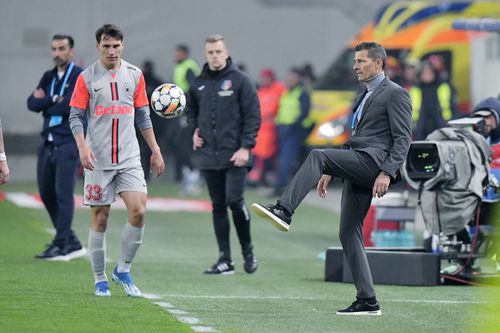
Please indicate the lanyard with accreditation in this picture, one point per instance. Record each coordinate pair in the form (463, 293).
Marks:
(57, 119)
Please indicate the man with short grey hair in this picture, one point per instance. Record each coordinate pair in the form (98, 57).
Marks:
(368, 164)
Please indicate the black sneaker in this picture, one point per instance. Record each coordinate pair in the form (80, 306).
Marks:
(361, 307)
(250, 263)
(53, 252)
(221, 267)
(274, 214)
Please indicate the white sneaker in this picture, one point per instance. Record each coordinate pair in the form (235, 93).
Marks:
(125, 279)
(76, 254)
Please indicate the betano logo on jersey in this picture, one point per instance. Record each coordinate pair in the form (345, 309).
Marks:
(101, 110)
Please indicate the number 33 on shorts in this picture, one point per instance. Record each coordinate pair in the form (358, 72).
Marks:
(96, 191)
(93, 192)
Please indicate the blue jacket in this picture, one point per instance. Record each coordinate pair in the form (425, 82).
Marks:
(61, 133)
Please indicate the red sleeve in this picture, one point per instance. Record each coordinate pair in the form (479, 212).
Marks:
(140, 98)
(495, 163)
(80, 97)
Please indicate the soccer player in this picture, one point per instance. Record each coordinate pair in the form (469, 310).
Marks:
(111, 94)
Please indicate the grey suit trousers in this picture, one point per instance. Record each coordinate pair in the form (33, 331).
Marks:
(359, 172)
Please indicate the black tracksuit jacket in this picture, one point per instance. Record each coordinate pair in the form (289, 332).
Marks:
(225, 107)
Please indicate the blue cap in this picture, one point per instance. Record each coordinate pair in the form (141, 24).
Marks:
(490, 105)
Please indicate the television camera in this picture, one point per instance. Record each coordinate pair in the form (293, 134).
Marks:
(450, 170)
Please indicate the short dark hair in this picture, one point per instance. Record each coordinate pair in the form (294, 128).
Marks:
(183, 48)
(109, 30)
(375, 51)
(70, 39)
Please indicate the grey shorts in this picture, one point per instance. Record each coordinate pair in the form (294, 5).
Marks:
(101, 186)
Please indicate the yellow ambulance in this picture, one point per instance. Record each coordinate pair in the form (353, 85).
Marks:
(410, 31)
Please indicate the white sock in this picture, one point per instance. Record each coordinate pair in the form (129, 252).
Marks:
(97, 251)
(131, 240)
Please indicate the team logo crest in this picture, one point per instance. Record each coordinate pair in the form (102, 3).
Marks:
(226, 85)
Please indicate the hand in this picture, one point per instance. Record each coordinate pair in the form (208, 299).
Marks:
(157, 163)
(381, 185)
(87, 157)
(322, 185)
(4, 172)
(241, 157)
(38, 93)
(197, 139)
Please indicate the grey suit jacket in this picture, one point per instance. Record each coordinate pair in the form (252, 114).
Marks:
(384, 129)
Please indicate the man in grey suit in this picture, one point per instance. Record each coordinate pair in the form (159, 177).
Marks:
(368, 164)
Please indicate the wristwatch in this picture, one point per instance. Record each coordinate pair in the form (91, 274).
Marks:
(386, 173)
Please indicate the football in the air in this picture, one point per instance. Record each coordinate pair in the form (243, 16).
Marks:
(168, 101)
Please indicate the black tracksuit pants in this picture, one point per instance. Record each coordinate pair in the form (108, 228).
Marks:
(226, 188)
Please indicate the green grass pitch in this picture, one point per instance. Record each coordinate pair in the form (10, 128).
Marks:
(286, 294)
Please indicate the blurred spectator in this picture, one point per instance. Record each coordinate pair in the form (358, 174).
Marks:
(410, 75)
(393, 70)
(437, 61)
(308, 77)
(269, 93)
(185, 71)
(432, 101)
(159, 124)
(242, 67)
(294, 106)
(489, 110)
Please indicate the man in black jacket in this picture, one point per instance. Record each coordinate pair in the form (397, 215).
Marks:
(57, 152)
(224, 116)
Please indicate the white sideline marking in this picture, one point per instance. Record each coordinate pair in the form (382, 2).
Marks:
(318, 298)
(24, 200)
(50, 231)
(151, 296)
(203, 329)
(165, 305)
(177, 312)
(157, 204)
(189, 320)
(180, 315)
